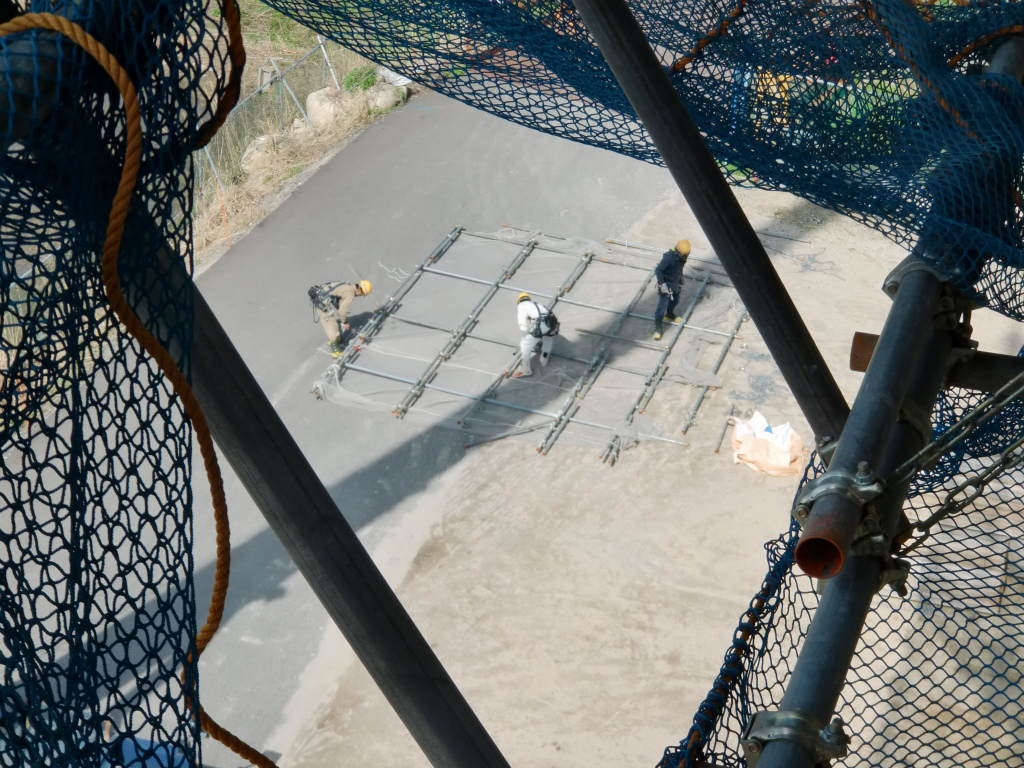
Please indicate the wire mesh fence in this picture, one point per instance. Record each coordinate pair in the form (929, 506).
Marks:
(269, 138)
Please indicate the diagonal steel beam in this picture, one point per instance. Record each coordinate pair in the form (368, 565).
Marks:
(687, 157)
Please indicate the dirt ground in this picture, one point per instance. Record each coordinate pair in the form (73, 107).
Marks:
(583, 610)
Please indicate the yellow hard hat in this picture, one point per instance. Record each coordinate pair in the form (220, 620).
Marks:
(522, 296)
(683, 247)
(365, 287)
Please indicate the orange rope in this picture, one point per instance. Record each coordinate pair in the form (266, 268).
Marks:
(752, 618)
(124, 313)
(682, 63)
(229, 96)
(870, 13)
(952, 62)
(1014, 30)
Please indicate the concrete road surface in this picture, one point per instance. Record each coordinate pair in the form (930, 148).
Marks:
(383, 202)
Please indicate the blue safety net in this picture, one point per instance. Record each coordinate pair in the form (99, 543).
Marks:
(97, 603)
(936, 679)
(883, 110)
(879, 109)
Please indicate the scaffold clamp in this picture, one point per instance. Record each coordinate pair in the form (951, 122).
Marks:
(858, 489)
(827, 743)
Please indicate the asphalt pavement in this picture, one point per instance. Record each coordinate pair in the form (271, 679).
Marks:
(383, 202)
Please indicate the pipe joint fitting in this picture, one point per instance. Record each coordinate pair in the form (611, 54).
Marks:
(824, 743)
(859, 490)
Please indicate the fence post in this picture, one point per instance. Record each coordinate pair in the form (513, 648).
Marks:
(327, 60)
(292, 94)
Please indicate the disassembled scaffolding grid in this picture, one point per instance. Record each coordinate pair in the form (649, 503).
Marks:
(556, 421)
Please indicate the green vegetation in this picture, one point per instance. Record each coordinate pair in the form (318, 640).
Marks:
(263, 24)
(360, 79)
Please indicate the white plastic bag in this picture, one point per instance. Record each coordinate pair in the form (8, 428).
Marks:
(776, 451)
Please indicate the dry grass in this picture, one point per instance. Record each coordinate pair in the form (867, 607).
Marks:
(246, 195)
(245, 201)
(271, 119)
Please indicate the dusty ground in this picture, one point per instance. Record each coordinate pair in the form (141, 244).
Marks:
(584, 610)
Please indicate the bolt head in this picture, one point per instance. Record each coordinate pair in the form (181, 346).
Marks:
(753, 747)
(801, 512)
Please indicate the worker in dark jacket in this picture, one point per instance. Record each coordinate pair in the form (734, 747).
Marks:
(669, 274)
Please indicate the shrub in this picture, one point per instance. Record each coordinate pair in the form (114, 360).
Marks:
(360, 79)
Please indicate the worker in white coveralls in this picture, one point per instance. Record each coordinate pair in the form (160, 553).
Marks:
(332, 302)
(539, 326)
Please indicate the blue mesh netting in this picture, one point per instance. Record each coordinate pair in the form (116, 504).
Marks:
(937, 679)
(97, 607)
(880, 110)
(874, 109)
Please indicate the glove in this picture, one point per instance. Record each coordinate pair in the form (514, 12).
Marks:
(663, 289)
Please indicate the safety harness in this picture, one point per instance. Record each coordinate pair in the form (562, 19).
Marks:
(545, 317)
(320, 297)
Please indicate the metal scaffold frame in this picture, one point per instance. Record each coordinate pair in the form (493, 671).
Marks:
(559, 420)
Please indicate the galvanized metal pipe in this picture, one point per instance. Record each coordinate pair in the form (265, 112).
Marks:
(831, 642)
(592, 371)
(503, 435)
(651, 383)
(634, 342)
(829, 528)
(510, 344)
(382, 312)
(678, 139)
(506, 404)
(574, 274)
(459, 333)
(725, 427)
(718, 364)
(682, 324)
(327, 60)
(573, 302)
(291, 93)
(655, 249)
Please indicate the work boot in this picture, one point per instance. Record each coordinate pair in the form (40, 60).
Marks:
(524, 370)
(336, 348)
(657, 331)
(671, 318)
(544, 358)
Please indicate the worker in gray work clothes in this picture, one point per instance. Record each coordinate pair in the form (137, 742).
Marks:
(332, 302)
(539, 326)
(669, 274)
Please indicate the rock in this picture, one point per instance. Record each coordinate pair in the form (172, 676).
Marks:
(382, 96)
(300, 128)
(260, 147)
(325, 106)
